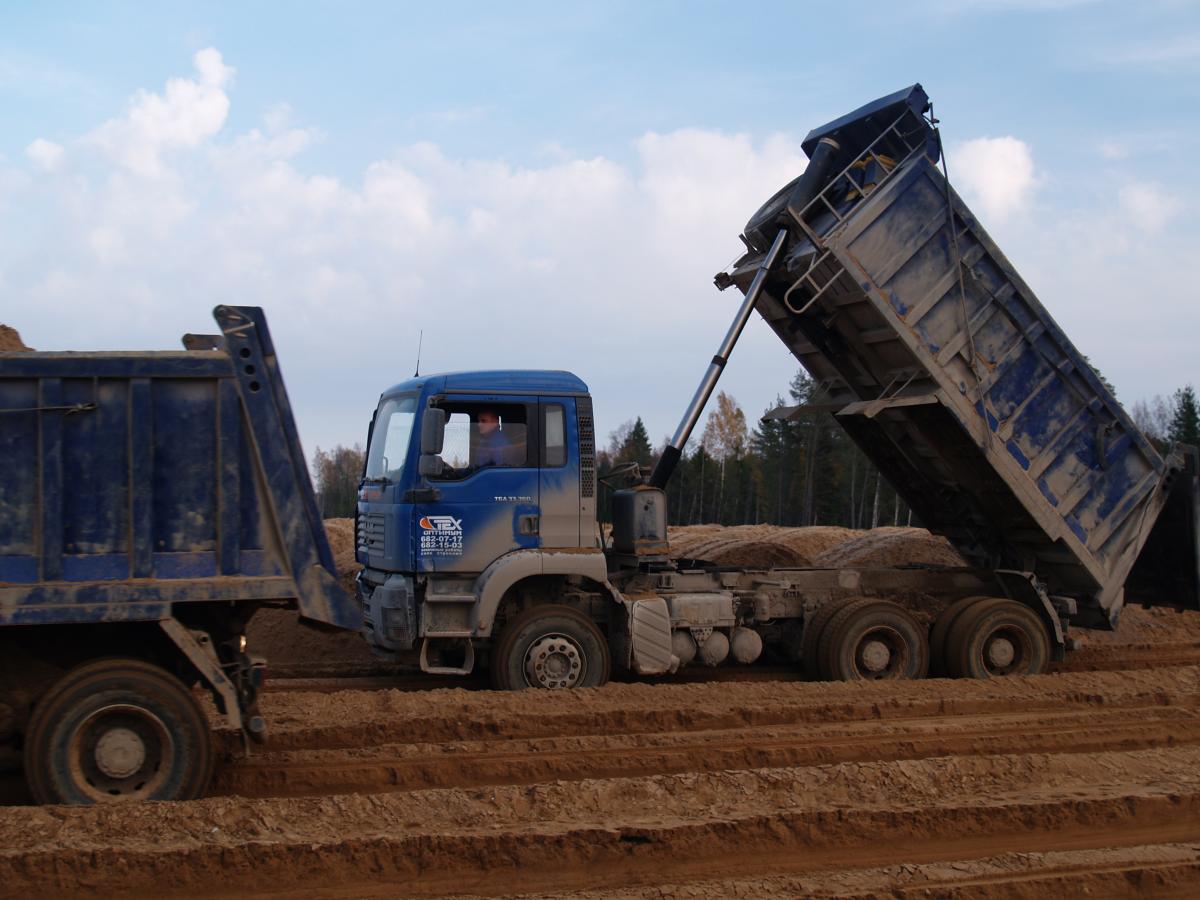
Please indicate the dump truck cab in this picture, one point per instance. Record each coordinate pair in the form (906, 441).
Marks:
(473, 480)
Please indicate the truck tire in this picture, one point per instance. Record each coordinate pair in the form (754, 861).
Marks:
(552, 647)
(873, 640)
(811, 639)
(941, 628)
(994, 638)
(117, 730)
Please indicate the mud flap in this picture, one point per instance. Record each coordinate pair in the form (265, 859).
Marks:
(641, 640)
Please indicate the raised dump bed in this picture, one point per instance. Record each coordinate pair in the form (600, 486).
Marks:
(944, 367)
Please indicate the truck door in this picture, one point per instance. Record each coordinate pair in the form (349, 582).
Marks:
(559, 475)
(486, 500)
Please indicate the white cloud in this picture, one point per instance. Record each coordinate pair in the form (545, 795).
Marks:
(45, 155)
(184, 115)
(212, 68)
(573, 261)
(995, 174)
(161, 213)
(1148, 205)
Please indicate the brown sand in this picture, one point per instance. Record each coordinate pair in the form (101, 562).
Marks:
(10, 339)
(1082, 784)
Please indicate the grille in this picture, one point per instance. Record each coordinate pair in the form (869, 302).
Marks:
(370, 534)
(587, 447)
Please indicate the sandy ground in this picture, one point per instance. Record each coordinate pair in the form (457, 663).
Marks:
(1084, 782)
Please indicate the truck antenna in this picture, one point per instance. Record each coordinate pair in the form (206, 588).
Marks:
(420, 339)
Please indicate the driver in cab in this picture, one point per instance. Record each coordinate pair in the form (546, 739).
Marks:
(492, 446)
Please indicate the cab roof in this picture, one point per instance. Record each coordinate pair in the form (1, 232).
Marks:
(495, 381)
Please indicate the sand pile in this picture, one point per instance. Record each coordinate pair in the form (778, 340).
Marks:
(1157, 625)
(295, 649)
(812, 542)
(10, 339)
(892, 547)
(821, 545)
(732, 550)
(341, 540)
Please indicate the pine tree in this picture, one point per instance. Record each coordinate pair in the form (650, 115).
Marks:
(636, 447)
(1185, 422)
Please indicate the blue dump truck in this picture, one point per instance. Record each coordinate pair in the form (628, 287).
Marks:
(150, 503)
(476, 521)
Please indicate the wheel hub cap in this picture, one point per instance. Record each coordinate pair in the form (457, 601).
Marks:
(1001, 652)
(120, 753)
(553, 662)
(875, 656)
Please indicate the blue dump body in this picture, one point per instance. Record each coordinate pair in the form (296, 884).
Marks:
(134, 483)
(942, 365)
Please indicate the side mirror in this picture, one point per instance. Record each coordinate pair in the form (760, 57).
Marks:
(430, 465)
(433, 431)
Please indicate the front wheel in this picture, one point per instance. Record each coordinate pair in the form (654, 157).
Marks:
(551, 647)
(117, 730)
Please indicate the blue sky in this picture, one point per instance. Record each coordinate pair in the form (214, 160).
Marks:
(554, 186)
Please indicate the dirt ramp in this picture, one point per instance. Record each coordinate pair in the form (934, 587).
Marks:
(10, 339)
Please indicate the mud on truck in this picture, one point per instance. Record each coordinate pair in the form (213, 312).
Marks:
(934, 356)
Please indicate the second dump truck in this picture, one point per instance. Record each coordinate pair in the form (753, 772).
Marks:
(150, 504)
(476, 520)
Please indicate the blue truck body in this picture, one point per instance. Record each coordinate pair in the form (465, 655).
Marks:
(150, 503)
(135, 482)
(941, 363)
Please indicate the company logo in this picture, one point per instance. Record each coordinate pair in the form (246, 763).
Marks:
(441, 524)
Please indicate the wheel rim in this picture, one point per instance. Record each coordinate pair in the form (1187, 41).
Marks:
(881, 652)
(120, 752)
(554, 662)
(1006, 650)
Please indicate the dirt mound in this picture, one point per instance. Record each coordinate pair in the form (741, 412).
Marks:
(892, 547)
(815, 540)
(341, 540)
(10, 339)
(294, 648)
(764, 554)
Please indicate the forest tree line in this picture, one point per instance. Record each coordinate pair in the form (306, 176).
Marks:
(804, 470)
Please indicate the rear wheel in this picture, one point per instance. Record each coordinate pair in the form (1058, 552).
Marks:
(814, 627)
(115, 730)
(551, 647)
(941, 628)
(996, 638)
(873, 640)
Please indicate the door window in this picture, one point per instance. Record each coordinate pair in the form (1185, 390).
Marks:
(484, 435)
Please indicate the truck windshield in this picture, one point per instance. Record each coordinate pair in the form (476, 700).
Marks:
(389, 440)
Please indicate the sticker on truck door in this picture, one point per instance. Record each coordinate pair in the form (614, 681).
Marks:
(441, 536)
